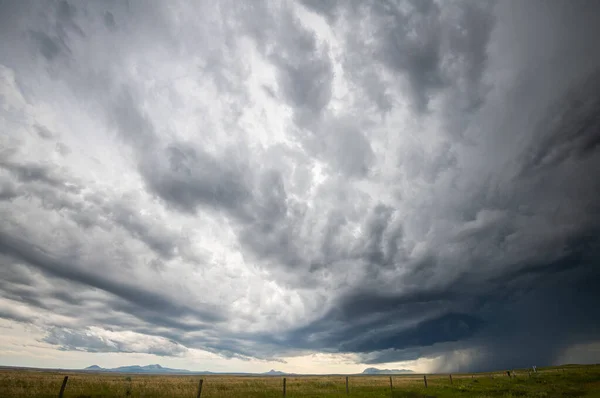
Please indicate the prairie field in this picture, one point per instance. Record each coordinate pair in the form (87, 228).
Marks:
(566, 381)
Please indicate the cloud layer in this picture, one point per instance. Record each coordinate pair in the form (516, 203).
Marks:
(392, 180)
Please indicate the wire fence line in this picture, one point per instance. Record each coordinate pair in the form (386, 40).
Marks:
(74, 384)
(288, 386)
(273, 386)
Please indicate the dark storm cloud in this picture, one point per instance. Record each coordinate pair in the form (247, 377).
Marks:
(537, 302)
(571, 128)
(405, 248)
(360, 321)
(540, 312)
(448, 327)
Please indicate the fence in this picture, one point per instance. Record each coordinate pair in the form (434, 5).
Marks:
(16, 383)
(288, 386)
(295, 386)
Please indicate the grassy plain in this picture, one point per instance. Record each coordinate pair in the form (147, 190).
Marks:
(566, 381)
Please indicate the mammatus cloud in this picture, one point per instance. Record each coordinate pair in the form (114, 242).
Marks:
(391, 180)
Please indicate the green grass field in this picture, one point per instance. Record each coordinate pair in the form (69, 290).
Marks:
(567, 381)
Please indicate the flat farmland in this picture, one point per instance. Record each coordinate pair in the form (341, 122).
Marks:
(568, 381)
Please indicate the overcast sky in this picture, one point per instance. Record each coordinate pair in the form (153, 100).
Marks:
(312, 186)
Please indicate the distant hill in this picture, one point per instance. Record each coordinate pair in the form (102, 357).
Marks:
(157, 369)
(375, 371)
(273, 372)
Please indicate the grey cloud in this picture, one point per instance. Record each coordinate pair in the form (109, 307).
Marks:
(480, 234)
(305, 81)
(63, 268)
(306, 84)
(327, 8)
(35, 173)
(440, 51)
(44, 132)
(74, 340)
(70, 340)
(378, 249)
(28, 286)
(109, 20)
(8, 190)
(48, 46)
(63, 149)
(344, 146)
(58, 194)
(417, 56)
(189, 177)
(305, 73)
(376, 90)
(428, 166)
(66, 11)
(158, 239)
(570, 128)
(131, 122)
(14, 316)
(269, 226)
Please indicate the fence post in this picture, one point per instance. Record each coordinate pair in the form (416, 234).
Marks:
(62, 388)
(284, 386)
(199, 388)
(391, 386)
(347, 389)
(451, 380)
(425, 380)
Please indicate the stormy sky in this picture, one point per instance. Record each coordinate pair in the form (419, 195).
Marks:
(313, 186)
